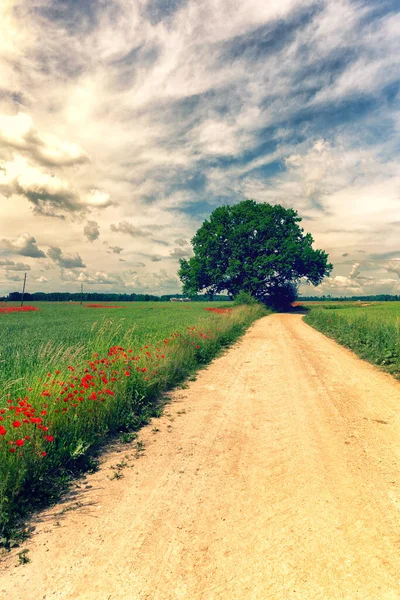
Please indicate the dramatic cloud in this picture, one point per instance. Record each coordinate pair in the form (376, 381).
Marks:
(42, 279)
(18, 132)
(145, 116)
(50, 195)
(91, 231)
(24, 245)
(66, 261)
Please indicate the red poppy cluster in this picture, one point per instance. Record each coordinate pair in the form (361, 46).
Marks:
(11, 309)
(23, 420)
(78, 390)
(102, 306)
(220, 311)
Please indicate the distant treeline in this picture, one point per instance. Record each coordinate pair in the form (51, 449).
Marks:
(102, 297)
(377, 298)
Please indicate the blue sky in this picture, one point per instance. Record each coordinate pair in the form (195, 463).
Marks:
(123, 124)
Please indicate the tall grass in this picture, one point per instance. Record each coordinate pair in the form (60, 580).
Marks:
(55, 416)
(372, 332)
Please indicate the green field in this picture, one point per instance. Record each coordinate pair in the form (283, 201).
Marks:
(71, 375)
(372, 330)
(31, 342)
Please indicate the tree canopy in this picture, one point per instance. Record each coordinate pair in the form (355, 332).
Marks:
(254, 247)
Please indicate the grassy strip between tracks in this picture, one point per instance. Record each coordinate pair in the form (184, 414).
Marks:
(53, 421)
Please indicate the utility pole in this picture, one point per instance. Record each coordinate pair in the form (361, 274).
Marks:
(81, 294)
(23, 290)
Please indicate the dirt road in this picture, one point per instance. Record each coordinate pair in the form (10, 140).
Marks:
(275, 475)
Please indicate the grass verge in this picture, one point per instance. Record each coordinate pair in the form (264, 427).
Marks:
(368, 333)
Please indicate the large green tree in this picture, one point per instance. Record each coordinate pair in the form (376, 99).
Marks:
(254, 247)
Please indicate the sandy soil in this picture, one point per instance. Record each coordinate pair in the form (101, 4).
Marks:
(274, 475)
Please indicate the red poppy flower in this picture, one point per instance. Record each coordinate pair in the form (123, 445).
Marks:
(17, 424)
(20, 442)
(3, 430)
(43, 453)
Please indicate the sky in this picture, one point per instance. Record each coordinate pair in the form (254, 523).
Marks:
(124, 123)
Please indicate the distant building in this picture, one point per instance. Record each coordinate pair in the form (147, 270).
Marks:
(179, 300)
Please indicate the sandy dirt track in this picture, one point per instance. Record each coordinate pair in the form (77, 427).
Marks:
(275, 475)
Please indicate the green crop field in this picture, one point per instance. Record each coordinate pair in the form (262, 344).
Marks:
(71, 375)
(31, 342)
(372, 330)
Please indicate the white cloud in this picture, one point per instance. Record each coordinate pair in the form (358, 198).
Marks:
(18, 131)
(159, 281)
(393, 267)
(96, 199)
(50, 194)
(355, 271)
(24, 245)
(98, 277)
